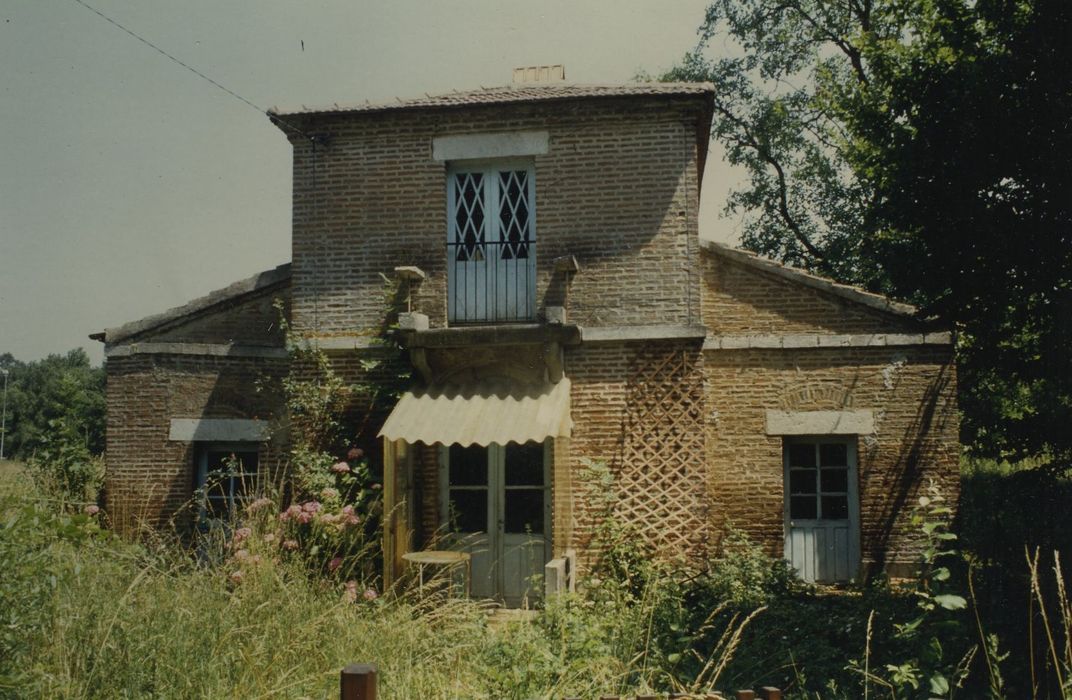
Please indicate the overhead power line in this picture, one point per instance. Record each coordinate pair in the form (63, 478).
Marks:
(188, 67)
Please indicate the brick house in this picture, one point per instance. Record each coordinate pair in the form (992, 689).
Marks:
(563, 310)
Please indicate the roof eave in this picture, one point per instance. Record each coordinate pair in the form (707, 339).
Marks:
(278, 115)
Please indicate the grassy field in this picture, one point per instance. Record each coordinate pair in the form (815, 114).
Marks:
(87, 615)
(90, 616)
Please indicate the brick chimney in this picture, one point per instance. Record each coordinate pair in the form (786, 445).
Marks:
(540, 74)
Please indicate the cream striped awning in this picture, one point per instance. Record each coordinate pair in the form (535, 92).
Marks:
(481, 414)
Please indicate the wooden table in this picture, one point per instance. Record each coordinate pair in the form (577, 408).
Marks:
(440, 557)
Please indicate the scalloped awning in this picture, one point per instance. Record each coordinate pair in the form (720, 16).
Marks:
(481, 414)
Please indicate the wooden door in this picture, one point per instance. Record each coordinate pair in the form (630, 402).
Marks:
(496, 506)
(822, 531)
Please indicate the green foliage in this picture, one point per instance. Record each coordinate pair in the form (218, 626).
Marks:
(902, 145)
(60, 392)
(744, 576)
(30, 575)
(63, 466)
(935, 640)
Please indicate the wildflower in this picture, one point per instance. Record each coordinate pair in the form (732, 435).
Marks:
(305, 518)
(355, 453)
(377, 486)
(340, 467)
(290, 545)
(310, 506)
(349, 593)
(259, 504)
(334, 564)
(237, 576)
(241, 554)
(370, 594)
(329, 494)
(327, 519)
(269, 537)
(241, 535)
(348, 517)
(92, 510)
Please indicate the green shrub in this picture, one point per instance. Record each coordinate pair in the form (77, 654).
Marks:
(64, 468)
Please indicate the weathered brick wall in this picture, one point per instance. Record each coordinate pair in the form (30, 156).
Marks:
(250, 320)
(633, 411)
(912, 393)
(739, 300)
(617, 190)
(149, 477)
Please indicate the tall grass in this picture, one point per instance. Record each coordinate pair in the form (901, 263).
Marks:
(98, 617)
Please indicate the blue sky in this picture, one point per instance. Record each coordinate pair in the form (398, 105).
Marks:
(129, 185)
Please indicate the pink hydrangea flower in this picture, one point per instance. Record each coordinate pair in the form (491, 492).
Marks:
(370, 594)
(310, 506)
(355, 453)
(241, 535)
(334, 564)
(340, 467)
(348, 517)
(259, 504)
(327, 519)
(329, 494)
(305, 518)
(92, 510)
(290, 545)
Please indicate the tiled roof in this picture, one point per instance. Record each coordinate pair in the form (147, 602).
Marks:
(506, 95)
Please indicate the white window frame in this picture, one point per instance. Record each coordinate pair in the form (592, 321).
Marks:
(852, 494)
(201, 454)
(493, 234)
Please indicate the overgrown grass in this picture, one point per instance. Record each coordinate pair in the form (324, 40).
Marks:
(88, 615)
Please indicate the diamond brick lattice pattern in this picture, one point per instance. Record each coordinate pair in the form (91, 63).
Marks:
(661, 476)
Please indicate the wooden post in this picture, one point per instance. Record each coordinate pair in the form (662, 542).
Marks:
(746, 695)
(769, 693)
(358, 682)
(389, 500)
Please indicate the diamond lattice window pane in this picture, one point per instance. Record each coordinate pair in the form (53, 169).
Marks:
(514, 214)
(469, 216)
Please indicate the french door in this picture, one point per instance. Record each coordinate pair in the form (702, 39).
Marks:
(491, 243)
(495, 505)
(822, 514)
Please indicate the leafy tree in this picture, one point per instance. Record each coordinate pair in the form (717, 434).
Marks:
(60, 396)
(919, 148)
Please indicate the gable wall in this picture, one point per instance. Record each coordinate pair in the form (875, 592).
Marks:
(617, 190)
(251, 320)
(739, 300)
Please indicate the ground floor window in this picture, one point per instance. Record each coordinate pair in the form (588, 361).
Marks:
(224, 474)
(821, 508)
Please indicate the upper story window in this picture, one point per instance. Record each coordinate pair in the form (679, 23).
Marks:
(491, 243)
